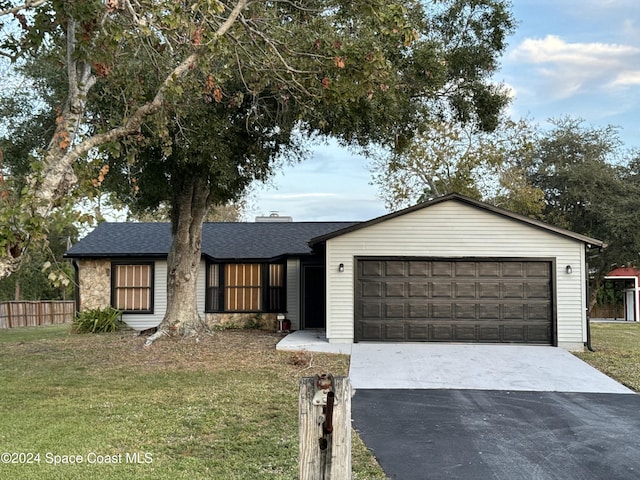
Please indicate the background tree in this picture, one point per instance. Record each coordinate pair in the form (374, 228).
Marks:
(166, 86)
(450, 157)
(590, 187)
(44, 275)
(26, 122)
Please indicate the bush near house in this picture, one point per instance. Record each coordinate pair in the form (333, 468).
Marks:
(97, 320)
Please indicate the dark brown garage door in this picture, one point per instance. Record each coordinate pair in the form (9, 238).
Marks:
(454, 301)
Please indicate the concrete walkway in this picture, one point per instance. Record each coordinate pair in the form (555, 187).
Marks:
(457, 366)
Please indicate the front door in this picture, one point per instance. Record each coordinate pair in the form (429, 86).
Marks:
(313, 295)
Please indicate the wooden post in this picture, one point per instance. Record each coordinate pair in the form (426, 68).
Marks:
(325, 455)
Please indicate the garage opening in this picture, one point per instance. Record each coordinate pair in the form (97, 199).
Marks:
(454, 300)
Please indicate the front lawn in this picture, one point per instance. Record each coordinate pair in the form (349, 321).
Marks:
(222, 408)
(617, 352)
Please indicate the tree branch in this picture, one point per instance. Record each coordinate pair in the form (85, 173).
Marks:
(58, 184)
(24, 6)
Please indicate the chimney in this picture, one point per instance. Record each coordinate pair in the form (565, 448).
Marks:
(274, 217)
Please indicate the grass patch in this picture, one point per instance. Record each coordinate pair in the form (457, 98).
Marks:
(225, 407)
(617, 352)
(27, 334)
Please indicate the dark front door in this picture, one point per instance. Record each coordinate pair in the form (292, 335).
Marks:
(487, 301)
(313, 296)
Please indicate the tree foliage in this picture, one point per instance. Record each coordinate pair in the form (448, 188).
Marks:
(450, 157)
(190, 101)
(590, 187)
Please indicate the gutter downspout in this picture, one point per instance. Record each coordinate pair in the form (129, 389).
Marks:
(76, 269)
(587, 290)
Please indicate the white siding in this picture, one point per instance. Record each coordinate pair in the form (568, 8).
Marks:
(139, 321)
(454, 229)
(293, 292)
(201, 287)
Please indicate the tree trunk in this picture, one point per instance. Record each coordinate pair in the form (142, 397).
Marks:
(190, 206)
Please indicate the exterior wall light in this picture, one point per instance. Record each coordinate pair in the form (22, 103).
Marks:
(341, 267)
(568, 269)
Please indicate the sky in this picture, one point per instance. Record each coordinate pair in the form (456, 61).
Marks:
(577, 58)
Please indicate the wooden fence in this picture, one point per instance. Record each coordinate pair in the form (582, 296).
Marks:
(31, 314)
(607, 311)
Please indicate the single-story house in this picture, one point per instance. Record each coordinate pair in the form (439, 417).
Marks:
(448, 270)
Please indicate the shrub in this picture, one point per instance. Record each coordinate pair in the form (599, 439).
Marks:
(98, 320)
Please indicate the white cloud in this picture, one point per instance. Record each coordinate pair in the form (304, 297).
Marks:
(572, 68)
(627, 78)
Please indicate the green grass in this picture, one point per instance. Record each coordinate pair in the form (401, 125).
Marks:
(33, 333)
(222, 408)
(617, 352)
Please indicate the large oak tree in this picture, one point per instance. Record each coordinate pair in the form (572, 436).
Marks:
(192, 100)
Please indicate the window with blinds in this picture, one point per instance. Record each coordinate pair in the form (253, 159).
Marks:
(132, 287)
(245, 287)
(276, 287)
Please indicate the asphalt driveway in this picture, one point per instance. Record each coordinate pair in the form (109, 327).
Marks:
(492, 412)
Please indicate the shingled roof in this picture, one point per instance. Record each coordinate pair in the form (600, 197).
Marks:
(220, 241)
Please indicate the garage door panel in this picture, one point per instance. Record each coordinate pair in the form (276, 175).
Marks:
(371, 310)
(441, 290)
(513, 333)
(371, 268)
(417, 332)
(489, 311)
(395, 269)
(465, 311)
(395, 310)
(513, 290)
(488, 333)
(489, 270)
(465, 333)
(538, 269)
(419, 310)
(538, 290)
(513, 312)
(442, 333)
(371, 289)
(394, 332)
(395, 289)
(466, 290)
(419, 269)
(465, 269)
(369, 331)
(442, 311)
(538, 333)
(419, 290)
(538, 312)
(441, 269)
(513, 270)
(489, 290)
(456, 301)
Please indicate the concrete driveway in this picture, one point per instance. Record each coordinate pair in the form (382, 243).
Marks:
(475, 367)
(492, 412)
(501, 412)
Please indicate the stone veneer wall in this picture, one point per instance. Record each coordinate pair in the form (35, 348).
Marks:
(263, 321)
(95, 284)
